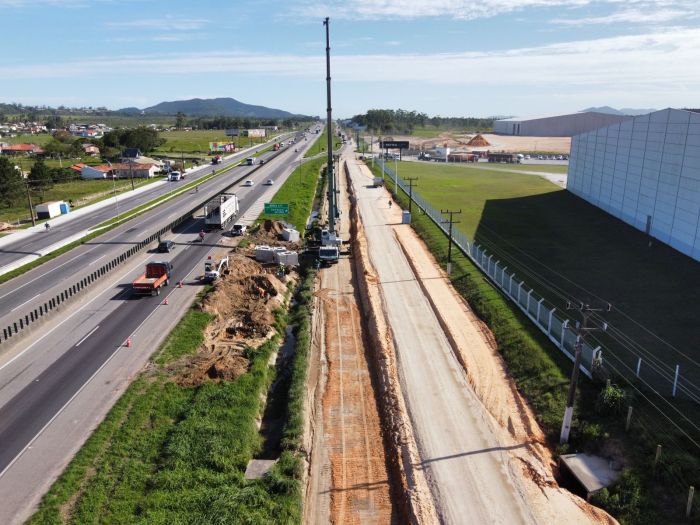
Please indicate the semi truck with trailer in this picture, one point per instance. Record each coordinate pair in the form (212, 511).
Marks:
(220, 211)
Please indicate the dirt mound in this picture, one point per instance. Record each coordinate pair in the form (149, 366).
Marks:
(4, 226)
(242, 303)
(478, 142)
(270, 232)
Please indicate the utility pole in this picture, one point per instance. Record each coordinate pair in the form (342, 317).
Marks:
(329, 168)
(410, 191)
(582, 329)
(449, 235)
(29, 200)
(131, 173)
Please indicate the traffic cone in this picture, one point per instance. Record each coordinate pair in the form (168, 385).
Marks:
(128, 343)
(165, 301)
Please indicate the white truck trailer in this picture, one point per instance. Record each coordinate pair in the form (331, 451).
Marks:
(220, 211)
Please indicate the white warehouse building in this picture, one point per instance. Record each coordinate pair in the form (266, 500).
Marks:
(556, 126)
(646, 172)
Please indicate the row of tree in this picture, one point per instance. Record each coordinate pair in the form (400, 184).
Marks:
(404, 122)
(236, 122)
(13, 187)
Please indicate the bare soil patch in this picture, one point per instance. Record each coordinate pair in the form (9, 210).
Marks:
(243, 302)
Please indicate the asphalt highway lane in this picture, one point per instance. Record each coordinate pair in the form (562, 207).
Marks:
(39, 394)
(23, 294)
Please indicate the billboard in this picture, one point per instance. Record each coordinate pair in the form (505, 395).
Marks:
(221, 147)
(256, 132)
(233, 132)
(401, 144)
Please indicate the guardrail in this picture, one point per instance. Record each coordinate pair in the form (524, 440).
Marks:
(16, 329)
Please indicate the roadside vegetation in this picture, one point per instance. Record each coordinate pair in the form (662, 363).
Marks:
(298, 191)
(168, 453)
(530, 216)
(403, 122)
(321, 143)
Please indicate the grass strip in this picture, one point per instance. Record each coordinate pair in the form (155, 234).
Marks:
(170, 454)
(298, 191)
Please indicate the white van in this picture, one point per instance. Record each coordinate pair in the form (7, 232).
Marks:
(175, 176)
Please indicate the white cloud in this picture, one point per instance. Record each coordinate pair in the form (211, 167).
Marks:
(456, 9)
(631, 16)
(166, 23)
(655, 62)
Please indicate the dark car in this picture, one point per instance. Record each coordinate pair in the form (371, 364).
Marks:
(166, 246)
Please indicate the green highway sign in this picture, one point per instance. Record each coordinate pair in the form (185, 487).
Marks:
(273, 208)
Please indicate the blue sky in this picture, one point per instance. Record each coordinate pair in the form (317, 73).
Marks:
(441, 57)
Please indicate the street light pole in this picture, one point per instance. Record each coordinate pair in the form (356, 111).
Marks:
(114, 188)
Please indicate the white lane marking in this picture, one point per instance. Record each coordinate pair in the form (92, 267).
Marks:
(93, 262)
(43, 276)
(28, 445)
(25, 302)
(109, 288)
(88, 335)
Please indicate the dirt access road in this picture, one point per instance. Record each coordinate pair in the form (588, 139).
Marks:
(349, 483)
(479, 445)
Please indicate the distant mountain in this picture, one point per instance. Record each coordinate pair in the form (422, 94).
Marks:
(623, 111)
(213, 107)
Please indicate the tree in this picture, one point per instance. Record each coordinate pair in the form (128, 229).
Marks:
(54, 122)
(180, 120)
(40, 178)
(11, 184)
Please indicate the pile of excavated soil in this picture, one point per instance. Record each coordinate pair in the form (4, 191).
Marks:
(242, 302)
(4, 226)
(270, 233)
(478, 142)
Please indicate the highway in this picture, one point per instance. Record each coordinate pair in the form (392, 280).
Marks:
(25, 293)
(39, 379)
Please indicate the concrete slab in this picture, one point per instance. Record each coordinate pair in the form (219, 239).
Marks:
(257, 468)
(593, 472)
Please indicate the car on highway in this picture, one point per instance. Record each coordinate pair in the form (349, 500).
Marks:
(166, 246)
(238, 229)
(269, 182)
(262, 161)
(248, 183)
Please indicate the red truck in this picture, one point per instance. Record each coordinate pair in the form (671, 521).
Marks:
(157, 274)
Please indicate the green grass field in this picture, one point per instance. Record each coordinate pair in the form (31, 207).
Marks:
(39, 139)
(562, 246)
(298, 191)
(542, 168)
(197, 142)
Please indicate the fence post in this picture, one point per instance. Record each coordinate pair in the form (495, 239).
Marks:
(539, 307)
(658, 455)
(503, 277)
(629, 418)
(639, 365)
(564, 325)
(520, 287)
(488, 266)
(527, 308)
(510, 286)
(549, 324)
(675, 381)
(689, 506)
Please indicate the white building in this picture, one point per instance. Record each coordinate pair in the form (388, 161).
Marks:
(646, 172)
(556, 126)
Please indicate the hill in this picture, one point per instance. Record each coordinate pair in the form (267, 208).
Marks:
(622, 111)
(213, 107)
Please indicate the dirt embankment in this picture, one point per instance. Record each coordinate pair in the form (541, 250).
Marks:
(416, 505)
(242, 303)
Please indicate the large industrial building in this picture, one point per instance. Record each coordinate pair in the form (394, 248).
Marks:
(557, 126)
(646, 172)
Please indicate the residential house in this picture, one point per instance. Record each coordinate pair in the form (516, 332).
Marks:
(91, 149)
(127, 170)
(21, 149)
(102, 171)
